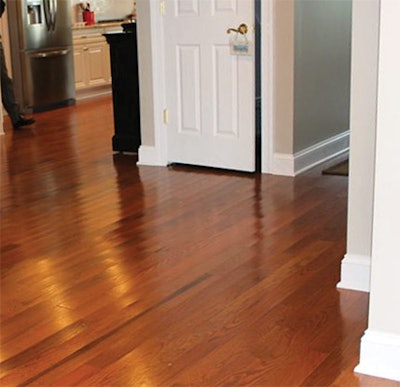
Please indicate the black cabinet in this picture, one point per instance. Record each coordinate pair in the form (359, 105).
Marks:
(125, 90)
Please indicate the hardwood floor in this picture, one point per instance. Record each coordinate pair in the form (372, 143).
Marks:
(118, 275)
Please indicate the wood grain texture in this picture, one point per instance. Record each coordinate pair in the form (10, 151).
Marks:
(118, 275)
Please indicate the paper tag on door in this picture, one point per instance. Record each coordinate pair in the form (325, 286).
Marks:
(239, 47)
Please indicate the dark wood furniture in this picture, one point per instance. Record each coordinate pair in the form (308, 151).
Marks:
(125, 90)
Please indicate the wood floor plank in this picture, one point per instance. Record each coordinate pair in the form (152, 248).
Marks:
(118, 274)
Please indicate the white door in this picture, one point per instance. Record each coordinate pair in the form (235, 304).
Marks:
(209, 92)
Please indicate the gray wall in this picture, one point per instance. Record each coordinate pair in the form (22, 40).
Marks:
(321, 70)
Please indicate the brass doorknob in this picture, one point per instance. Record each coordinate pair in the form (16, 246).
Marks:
(242, 29)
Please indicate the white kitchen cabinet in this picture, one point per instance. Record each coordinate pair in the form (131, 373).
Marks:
(92, 62)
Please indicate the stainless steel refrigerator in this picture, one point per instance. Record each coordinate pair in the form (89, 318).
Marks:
(42, 53)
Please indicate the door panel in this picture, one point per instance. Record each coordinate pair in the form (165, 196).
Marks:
(209, 92)
(225, 74)
(189, 95)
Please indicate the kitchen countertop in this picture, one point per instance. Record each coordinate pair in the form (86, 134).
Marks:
(79, 26)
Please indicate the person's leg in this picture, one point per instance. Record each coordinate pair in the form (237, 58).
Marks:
(8, 97)
(7, 91)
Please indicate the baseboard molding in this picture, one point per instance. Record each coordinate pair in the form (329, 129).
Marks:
(355, 272)
(95, 92)
(380, 355)
(286, 164)
(323, 151)
(283, 164)
(148, 155)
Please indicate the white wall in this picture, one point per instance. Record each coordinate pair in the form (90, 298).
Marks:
(104, 9)
(153, 150)
(356, 264)
(380, 346)
(385, 284)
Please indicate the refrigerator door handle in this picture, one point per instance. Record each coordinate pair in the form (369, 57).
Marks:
(47, 14)
(53, 14)
(49, 54)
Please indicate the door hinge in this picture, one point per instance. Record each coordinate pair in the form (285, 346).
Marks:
(165, 116)
(162, 7)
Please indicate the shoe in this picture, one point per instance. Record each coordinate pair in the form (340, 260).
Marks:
(23, 122)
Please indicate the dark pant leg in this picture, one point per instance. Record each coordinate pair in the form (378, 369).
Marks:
(7, 90)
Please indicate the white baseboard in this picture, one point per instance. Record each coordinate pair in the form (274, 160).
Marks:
(321, 152)
(355, 273)
(283, 164)
(286, 164)
(380, 355)
(148, 155)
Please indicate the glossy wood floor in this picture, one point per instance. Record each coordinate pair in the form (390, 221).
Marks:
(118, 275)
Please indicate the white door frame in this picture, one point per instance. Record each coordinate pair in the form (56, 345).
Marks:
(267, 85)
(158, 155)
